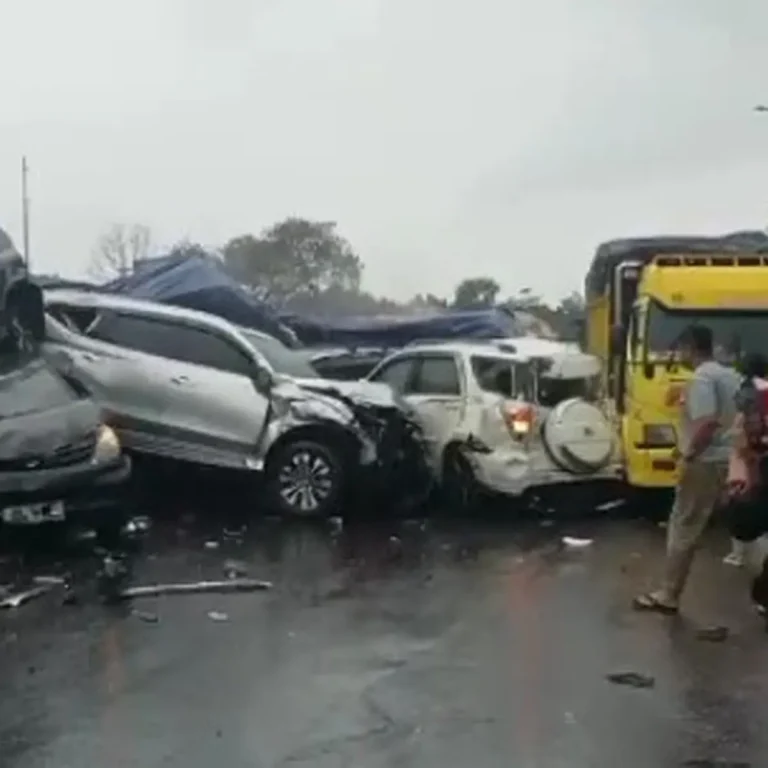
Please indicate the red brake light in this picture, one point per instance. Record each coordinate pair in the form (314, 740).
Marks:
(519, 418)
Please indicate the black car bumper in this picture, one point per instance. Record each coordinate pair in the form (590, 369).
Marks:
(91, 494)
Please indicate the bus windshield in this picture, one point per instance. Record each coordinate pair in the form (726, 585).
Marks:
(736, 332)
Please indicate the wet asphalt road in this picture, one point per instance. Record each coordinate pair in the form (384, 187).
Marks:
(446, 644)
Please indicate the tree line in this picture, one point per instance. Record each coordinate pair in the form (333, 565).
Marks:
(306, 266)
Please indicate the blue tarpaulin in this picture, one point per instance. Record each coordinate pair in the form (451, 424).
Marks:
(198, 282)
(397, 331)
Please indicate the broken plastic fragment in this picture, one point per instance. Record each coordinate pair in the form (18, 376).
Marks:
(717, 634)
(575, 543)
(19, 598)
(196, 587)
(632, 679)
(218, 616)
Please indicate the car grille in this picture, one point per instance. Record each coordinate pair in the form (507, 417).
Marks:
(64, 456)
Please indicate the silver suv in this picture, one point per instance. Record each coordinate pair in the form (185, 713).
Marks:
(190, 386)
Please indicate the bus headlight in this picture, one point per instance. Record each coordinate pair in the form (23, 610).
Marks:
(659, 436)
(107, 446)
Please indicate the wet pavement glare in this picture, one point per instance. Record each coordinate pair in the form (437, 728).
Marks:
(481, 643)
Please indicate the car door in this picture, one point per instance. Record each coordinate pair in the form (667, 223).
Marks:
(396, 372)
(127, 384)
(437, 391)
(214, 405)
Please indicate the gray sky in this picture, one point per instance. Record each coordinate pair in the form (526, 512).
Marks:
(447, 137)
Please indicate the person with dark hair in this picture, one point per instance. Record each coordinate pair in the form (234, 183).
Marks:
(750, 401)
(708, 410)
(747, 510)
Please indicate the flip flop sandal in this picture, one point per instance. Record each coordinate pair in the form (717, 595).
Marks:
(650, 603)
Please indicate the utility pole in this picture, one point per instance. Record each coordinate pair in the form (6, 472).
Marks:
(25, 209)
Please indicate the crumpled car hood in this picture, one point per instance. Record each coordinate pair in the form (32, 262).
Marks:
(41, 433)
(363, 392)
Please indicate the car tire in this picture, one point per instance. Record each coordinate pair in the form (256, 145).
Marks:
(306, 478)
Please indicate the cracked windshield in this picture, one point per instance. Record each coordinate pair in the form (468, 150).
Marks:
(383, 384)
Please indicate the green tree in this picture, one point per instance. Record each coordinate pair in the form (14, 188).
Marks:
(295, 257)
(476, 292)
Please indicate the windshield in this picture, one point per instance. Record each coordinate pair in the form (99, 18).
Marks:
(735, 332)
(32, 389)
(291, 362)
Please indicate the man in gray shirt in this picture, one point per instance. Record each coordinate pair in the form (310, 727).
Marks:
(704, 441)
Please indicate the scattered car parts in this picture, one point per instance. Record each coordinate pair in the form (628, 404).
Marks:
(190, 386)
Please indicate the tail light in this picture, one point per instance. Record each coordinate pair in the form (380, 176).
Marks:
(519, 419)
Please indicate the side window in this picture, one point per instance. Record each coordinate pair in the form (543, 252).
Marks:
(396, 374)
(494, 375)
(78, 319)
(437, 376)
(174, 341)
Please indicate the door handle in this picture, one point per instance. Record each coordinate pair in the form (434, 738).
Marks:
(180, 379)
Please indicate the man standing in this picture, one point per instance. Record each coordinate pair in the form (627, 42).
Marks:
(707, 414)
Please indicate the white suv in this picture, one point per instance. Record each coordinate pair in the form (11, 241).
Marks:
(507, 421)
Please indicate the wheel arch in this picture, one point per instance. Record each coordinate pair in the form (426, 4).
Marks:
(332, 435)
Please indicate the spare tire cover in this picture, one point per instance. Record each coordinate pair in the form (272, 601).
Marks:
(578, 436)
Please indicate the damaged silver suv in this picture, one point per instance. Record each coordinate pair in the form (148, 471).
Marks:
(190, 386)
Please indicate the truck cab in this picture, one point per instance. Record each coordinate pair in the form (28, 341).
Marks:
(641, 297)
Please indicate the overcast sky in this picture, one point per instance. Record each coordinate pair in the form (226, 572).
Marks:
(447, 138)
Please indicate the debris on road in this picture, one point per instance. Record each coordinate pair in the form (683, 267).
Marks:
(218, 616)
(608, 505)
(112, 578)
(572, 542)
(336, 524)
(212, 544)
(632, 679)
(716, 634)
(146, 616)
(16, 599)
(234, 569)
(52, 580)
(235, 534)
(137, 526)
(196, 587)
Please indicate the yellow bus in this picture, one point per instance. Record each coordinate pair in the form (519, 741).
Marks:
(641, 295)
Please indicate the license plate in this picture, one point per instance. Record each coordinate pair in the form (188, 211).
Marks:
(34, 514)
